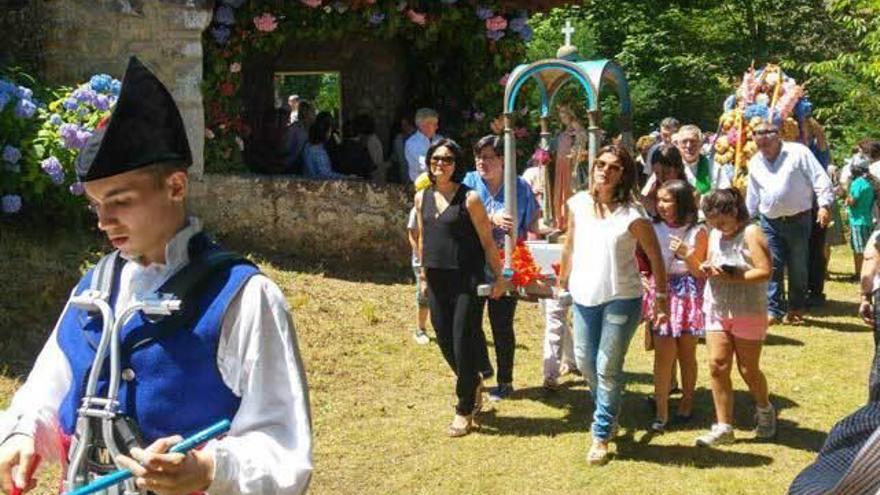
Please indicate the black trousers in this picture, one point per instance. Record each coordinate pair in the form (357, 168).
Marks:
(455, 315)
(818, 263)
(501, 313)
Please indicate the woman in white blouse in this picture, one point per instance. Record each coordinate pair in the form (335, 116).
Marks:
(605, 223)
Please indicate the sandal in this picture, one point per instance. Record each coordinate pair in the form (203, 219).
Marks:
(460, 431)
(478, 398)
(598, 453)
(794, 320)
(658, 426)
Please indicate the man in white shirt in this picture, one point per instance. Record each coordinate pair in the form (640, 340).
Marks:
(293, 103)
(229, 353)
(427, 122)
(783, 176)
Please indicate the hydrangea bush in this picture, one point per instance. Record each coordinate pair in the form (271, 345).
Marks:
(40, 143)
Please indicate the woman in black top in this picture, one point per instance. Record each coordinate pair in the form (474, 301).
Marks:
(455, 245)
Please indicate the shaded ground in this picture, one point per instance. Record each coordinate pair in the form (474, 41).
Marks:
(381, 403)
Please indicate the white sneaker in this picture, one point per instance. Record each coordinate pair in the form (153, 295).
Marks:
(765, 422)
(718, 435)
(421, 337)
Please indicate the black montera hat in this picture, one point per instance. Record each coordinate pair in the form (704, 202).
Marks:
(144, 128)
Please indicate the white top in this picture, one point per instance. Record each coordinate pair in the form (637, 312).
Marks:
(534, 176)
(415, 149)
(727, 299)
(603, 264)
(786, 186)
(674, 264)
(269, 447)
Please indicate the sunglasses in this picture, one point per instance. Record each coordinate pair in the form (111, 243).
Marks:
(443, 160)
(766, 132)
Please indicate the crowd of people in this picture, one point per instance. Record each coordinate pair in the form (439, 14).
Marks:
(660, 239)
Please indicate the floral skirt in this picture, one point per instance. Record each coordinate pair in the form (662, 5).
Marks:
(685, 294)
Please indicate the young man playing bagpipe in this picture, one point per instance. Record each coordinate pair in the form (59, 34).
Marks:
(162, 338)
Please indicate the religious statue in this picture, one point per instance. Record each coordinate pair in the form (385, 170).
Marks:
(571, 156)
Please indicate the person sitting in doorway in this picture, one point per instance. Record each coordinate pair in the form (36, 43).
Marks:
(316, 161)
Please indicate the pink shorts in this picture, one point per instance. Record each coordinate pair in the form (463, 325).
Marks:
(741, 327)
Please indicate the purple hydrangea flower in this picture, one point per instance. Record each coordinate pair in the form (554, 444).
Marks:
(100, 83)
(23, 93)
(85, 95)
(224, 15)
(51, 166)
(71, 104)
(494, 35)
(220, 34)
(376, 18)
(77, 188)
(70, 135)
(11, 154)
(10, 203)
(82, 137)
(55, 119)
(25, 109)
(102, 102)
(484, 12)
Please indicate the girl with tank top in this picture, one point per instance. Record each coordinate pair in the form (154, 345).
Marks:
(735, 307)
(683, 245)
(455, 245)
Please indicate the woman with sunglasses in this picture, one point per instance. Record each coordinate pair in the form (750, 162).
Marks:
(455, 245)
(605, 224)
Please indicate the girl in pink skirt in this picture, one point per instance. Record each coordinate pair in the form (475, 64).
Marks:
(684, 244)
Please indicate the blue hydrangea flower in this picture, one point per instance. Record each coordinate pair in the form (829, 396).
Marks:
(484, 12)
(224, 15)
(494, 35)
(517, 24)
(71, 104)
(10, 203)
(52, 167)
(376, 18)
(100, 83)
(23, 93)
(77, 188)
(115, 87)
(11, 154)
(220, 34)
(7, 87)
(527, 33)
(25, 109)
(55, 119)
(4, 99)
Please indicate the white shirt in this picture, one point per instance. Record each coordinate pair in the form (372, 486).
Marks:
(415, 149)
(688, 234)
(603, 263)
(269, 447)
(786, 186)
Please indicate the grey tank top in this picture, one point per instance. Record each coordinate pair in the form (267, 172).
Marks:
(725, 299)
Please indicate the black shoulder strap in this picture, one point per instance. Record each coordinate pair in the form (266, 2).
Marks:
(190, 278)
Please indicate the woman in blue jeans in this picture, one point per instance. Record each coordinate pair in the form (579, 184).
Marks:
(605, 223)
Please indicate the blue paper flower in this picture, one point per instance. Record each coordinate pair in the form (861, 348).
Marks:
(10, 203)
(803, 109)
(730, 103)
(756, 110)
(11, 154)
(484, 12)
(25, 109)
(224, 15)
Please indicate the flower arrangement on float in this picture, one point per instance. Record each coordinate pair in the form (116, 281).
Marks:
(764, 94)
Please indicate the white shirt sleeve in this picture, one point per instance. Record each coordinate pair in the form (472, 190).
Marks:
(752, 198)
(34, 407)
(819, 178)
(269, 448)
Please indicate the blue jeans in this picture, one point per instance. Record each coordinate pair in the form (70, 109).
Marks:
(601, 339)
(789, 242)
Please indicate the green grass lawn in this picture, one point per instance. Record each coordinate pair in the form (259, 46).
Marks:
(381, 403)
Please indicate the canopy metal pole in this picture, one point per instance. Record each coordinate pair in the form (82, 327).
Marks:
(548, 171)
(593, 131)
(510, 187)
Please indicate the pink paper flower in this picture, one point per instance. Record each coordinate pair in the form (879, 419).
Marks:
(497, 23)
(235, 67)
(311, 3)
(416, 17)
(504, 78)
(266, 22)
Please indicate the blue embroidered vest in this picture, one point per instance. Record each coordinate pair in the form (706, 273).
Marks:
(175, 387)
